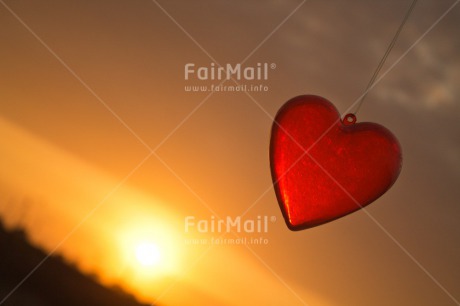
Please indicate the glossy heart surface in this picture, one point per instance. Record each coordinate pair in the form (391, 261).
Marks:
(324, 168)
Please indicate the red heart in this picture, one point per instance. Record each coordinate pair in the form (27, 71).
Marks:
(324, 168)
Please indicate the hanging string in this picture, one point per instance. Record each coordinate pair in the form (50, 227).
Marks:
(387, 52)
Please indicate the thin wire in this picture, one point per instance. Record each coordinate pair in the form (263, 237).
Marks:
(387, 52)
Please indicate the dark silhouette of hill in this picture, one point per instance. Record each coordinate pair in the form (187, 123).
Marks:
(54, 283)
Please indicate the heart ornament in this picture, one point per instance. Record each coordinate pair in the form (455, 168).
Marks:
(324, 168)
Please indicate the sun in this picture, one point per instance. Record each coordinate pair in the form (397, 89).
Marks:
(149, 249)
(148, 254)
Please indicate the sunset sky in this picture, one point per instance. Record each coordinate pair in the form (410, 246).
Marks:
(103, 151)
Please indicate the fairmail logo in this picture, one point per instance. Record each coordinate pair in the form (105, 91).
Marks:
(228, 224)
(227, 72)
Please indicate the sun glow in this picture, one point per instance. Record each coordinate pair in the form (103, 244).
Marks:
(148, 254)
(149, 249)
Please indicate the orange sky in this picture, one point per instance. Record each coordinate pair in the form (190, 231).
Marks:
(80, 106)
